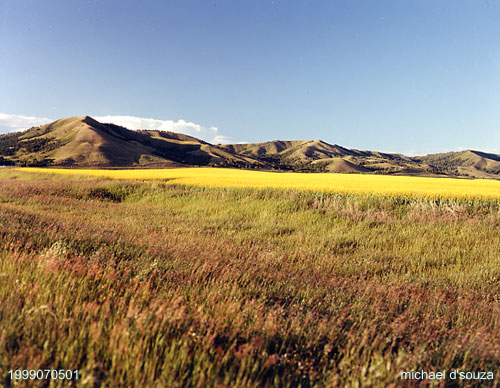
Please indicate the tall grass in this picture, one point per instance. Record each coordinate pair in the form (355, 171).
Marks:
(398, 186)
(149, 284)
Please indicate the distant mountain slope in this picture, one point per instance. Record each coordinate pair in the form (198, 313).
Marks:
(85, 142)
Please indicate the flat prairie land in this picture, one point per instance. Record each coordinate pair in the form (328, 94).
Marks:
(158, 281)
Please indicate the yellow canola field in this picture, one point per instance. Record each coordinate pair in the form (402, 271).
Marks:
(321, 182)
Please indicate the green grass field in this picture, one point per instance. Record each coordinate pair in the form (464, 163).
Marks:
(147, 284)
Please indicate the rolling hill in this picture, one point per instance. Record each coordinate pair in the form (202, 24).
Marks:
(317, 155)
(469, 163)
(85, 142)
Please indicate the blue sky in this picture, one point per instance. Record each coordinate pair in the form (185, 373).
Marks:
(404, 76)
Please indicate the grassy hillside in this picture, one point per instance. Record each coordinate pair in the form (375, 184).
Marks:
(146, 284)
(84, 142)
(466, 163)
(319, 156)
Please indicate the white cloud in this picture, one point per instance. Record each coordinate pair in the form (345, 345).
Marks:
(12, 123)
(412, 153)
(221, 139)
(180, 126)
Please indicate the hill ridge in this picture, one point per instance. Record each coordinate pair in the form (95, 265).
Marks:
(82, 141)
